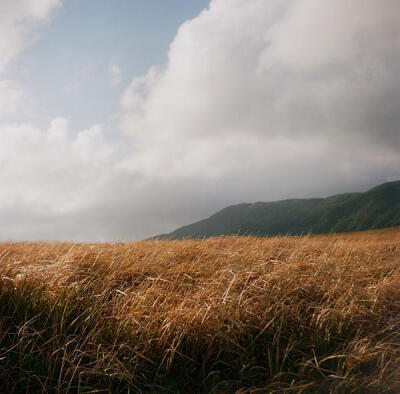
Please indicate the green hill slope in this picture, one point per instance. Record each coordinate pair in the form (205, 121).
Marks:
(376, 208)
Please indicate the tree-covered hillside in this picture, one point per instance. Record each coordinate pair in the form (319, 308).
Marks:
(376, 208)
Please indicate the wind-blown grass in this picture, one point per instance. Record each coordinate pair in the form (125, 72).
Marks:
(295, 314)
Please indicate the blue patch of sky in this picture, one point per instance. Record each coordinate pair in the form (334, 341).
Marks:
(67, 69)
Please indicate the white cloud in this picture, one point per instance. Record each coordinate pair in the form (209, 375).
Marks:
(115, 74)
(56, 169)
(273, 98)
(11, 99)
(274, 68)
(19, 20)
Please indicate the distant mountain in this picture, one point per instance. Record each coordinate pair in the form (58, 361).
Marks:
(376, 208)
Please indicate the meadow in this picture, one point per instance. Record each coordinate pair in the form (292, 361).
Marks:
(310, 314)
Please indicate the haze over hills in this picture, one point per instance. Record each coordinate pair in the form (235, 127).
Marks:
(376, 208)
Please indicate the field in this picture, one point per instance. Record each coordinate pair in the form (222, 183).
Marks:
(232, 314)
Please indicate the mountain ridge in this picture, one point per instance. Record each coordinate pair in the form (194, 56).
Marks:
(378, 207)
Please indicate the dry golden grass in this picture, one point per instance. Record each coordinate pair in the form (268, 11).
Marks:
(232, 314)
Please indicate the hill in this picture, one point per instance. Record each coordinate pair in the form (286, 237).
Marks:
(314, 314)
(376, 208)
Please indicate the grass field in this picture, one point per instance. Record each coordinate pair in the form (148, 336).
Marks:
(223, 315)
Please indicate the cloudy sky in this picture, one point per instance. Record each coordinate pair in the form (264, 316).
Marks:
(121, 119)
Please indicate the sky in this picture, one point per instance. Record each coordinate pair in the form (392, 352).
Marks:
(124, 119)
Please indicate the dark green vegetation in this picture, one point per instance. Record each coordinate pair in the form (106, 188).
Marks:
(374, 209)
